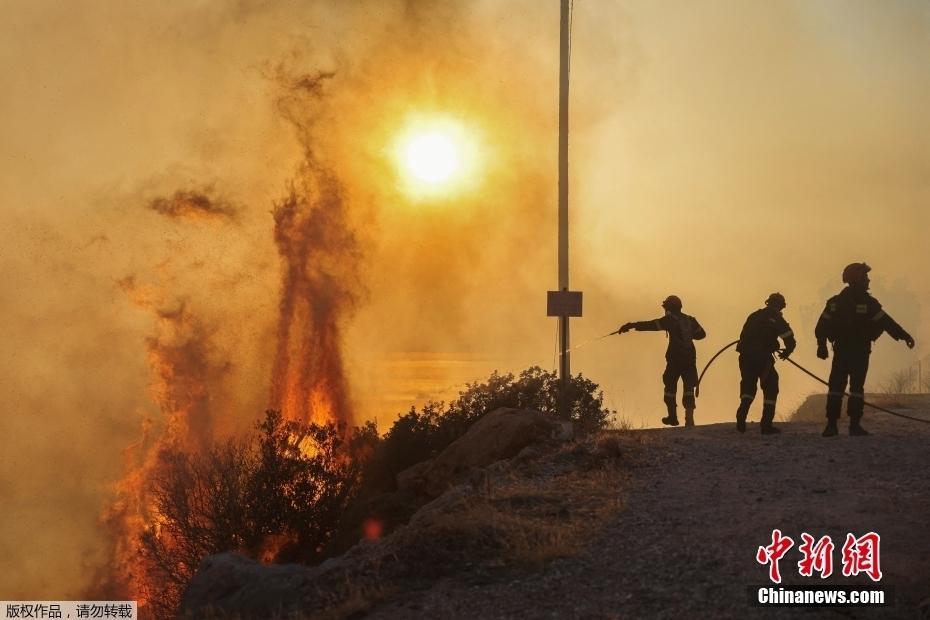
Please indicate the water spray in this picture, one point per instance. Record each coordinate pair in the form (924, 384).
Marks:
(587, 342)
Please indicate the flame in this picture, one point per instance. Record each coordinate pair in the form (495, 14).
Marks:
(320, 277)
(182, 373)
(320, 258)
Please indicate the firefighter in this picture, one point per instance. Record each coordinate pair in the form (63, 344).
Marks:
(758, 342)
(681, 330)
(851, 321)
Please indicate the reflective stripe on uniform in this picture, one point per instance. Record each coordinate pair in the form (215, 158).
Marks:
(768, 401)
(862, 308)
(826, 315)
(746, 397)
(659, 324)
(669, 394)
(878, 317)
(856, 395)
(834, 393)
(786, 334)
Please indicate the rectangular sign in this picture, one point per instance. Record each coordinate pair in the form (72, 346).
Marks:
(563, 303)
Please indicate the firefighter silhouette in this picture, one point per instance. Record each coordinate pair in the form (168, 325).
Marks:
(757, 345)
(851, 321)
(681, 330)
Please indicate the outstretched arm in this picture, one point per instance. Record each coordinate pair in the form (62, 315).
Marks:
(891, 326)
(656, 325)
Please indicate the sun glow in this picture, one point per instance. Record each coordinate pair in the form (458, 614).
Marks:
(435, 158)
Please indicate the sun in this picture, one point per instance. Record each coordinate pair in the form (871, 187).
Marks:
(435, 157)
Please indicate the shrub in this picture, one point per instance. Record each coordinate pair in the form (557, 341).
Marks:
(279, 496)
(419, 435)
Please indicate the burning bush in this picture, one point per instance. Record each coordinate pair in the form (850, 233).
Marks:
(279, 496)
(283, 493)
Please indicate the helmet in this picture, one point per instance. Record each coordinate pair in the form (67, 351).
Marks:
(855, 273)
(776, 300)
(672, 302)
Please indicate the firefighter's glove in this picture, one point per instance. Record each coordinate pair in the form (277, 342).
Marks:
(784, 354)
(909, 341)
(822, 352)
(625, 328)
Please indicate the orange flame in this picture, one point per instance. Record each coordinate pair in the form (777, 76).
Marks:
(182, 375)
(320, 261)
(320, 278)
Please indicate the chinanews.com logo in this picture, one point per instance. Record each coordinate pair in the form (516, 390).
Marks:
(859, 555)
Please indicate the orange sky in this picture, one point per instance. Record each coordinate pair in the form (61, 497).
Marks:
(716, 153)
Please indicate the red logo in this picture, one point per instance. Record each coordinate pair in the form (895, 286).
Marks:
(817, 557)
(859, 555)
(773, 553)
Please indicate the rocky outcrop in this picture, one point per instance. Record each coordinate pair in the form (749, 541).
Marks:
(501, 434)
(231, 582)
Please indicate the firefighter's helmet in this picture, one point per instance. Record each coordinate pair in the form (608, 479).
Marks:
(855, 273)
(776, 300)
(672, 303)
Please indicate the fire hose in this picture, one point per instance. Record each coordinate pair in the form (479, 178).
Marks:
(808, 373)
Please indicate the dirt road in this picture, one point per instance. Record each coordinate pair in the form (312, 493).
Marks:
(698, 508)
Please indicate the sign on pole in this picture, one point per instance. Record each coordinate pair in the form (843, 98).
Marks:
(563, 303)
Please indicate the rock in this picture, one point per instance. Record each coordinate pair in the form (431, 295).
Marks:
(501, 434)
(233, 583)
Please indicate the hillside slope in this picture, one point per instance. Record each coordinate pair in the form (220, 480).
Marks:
(696, 511)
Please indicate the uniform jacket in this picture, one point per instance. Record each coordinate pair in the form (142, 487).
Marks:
(761, 332)
(853, 319)
(682, 330)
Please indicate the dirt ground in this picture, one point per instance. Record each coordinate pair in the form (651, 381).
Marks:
(699, 505)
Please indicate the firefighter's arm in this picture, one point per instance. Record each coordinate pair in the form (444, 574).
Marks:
(787, 336)
(891, 326)
(824, 329)
(698, 332)
(644, 326)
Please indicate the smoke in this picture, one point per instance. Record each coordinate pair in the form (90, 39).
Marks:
(320, 261)
(180, 183)
(193, 205)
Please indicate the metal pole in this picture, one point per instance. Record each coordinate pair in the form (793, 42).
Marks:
(564, 366)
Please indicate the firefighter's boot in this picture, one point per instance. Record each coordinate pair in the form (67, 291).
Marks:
(741, 413)
(831, 430)
(768, 414)
(855, 428)
(689, 417)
